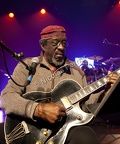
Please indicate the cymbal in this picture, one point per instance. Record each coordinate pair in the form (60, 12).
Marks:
(95, 57)
(113, 60)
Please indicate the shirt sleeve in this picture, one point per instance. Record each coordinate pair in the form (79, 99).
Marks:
(11, 100)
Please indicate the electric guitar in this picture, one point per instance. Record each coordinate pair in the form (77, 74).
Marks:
(19, 130)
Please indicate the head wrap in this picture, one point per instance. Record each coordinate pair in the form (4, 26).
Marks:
(53, 31)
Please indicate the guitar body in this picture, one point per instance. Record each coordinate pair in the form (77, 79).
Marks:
(19, 130)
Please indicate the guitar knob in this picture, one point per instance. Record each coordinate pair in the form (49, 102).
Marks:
(38, 142)
(79, 117)
(50, 142)
(45, 132)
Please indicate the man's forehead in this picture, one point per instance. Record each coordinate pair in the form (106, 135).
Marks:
(57, 39)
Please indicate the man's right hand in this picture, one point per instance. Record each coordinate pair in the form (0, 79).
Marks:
(50, 111)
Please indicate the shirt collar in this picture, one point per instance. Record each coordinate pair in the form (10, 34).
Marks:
(65, 67)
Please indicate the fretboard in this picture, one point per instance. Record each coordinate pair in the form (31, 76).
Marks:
(89, 89)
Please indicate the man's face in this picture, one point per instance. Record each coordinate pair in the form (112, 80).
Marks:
(54, 51)
(85, 63)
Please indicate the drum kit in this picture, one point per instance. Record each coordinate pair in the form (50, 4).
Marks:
(99, 69)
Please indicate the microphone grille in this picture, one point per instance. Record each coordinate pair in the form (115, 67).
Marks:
(35, 60)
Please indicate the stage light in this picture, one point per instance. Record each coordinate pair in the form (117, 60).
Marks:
(11, 15)
(42, 11)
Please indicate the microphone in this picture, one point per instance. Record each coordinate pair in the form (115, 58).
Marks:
(34, 63)
(103, 63)
(105, 41)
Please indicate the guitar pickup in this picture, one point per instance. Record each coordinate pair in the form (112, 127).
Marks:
(67, 104)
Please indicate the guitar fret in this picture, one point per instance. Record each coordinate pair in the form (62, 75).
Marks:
(74, 98)
(88, 90)
(70, 98)
(91, 88)
(94, 86)
(99, 83)
(79, 95)
(84, 92)
(104, 80)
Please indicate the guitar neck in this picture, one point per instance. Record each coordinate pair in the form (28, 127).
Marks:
(82, 93)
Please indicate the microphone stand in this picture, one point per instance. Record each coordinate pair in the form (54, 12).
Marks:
(105, 41)
(15, 55)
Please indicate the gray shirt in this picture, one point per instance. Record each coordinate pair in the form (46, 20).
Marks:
(12, 100)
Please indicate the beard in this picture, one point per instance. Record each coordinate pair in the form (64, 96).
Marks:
(57, 61)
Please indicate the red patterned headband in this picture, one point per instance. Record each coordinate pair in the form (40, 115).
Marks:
(53, 31)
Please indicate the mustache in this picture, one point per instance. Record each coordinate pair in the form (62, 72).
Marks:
(62, 52)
